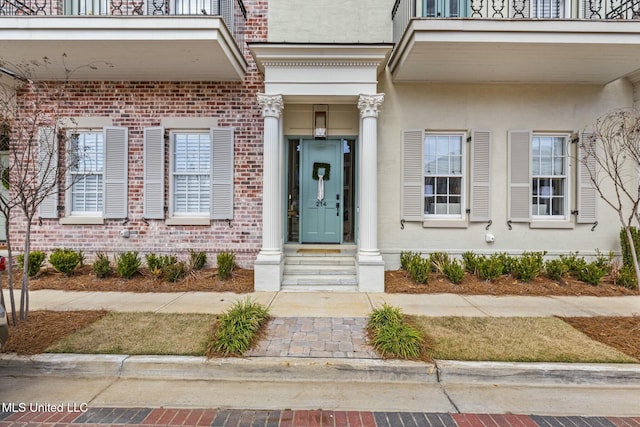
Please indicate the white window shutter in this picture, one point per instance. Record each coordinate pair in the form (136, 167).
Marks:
(48, 169)
(519, 176)
(480, 176)
(154, 173)
(412, 208)
(587, 194)
(222, 173)
(115, 172)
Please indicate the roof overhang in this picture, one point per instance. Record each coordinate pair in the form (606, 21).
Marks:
(326, 72)
(516, 51)
(127, 48)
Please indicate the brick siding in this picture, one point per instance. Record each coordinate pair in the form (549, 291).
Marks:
(137, 105)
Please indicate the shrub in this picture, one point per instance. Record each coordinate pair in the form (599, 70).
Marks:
(627, 258)
(507, 261)
(470, 261)
(419, 269)
(65, 260)
(154, 264)
(237, 328)
(197, 260)
(454, 271)
(574, 263)
(528, 265)
(226, 262)
(406, 257)
(592, 273)
(102, 266)
(604, 261)
(127, 264)
(392, 336)
(438, 261)
(556, 269)
(36, 259)
(627, 277)
(489, 268)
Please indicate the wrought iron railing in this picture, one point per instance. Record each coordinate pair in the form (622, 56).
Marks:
(404, 10)
(232, 11)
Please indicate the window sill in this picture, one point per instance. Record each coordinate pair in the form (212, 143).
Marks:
(552, 224)
(82, 220)
(188, 220)
(445, 223)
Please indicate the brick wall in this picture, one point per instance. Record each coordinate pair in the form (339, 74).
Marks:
(137, 105)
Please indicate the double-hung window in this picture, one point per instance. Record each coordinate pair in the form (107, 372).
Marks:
(540, 185)
(191, 174)
(436, 175)
(443, 175)
(549, 183)
(201, 174)
(86, 173)
(96, 162)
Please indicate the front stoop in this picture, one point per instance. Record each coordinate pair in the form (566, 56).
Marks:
(320, 269)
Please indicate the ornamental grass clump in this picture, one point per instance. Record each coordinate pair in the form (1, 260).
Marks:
(237, 329)
(197, 260)
(226, 262)
(392, 336)
(65, 260)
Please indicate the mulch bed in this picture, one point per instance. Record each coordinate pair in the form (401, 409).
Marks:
(622, 333)
(46, 327)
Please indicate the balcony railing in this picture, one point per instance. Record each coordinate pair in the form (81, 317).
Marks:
(232, 11)
(404, 10)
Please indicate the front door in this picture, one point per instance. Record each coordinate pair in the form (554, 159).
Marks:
(321, 195)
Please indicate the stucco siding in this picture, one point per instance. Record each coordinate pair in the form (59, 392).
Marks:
(499, 109)
(327, 21)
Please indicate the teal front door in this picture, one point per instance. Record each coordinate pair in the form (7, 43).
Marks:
(321, 191)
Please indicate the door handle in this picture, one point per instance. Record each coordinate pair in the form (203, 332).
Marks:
(337, 208)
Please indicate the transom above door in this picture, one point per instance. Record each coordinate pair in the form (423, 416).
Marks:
(320, 196)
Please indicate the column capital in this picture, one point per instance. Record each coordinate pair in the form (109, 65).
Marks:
(369, 105)
(271, 105)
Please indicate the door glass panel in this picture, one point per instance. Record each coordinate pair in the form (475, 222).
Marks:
(293, 191)
(349, 185)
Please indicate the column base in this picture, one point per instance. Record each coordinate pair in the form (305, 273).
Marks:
(370, 272)
(267, 271)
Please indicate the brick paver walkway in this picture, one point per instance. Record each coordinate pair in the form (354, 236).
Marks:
(315, 337)
(101, 417)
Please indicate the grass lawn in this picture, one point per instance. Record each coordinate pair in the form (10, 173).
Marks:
(514, 339)
(141, 333)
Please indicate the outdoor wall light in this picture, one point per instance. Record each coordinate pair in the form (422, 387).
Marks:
(320, 121)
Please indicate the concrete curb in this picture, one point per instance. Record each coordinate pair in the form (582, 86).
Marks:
(201, 368)
(451, 372)
(104, 365)
(317, 370)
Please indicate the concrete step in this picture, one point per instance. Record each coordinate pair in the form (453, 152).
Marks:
(320, 260)
(318, 288)
(309, 269)
(319, 280)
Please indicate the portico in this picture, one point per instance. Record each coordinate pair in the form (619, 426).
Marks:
(344, 79)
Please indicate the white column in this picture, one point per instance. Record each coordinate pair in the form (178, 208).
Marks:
(370, 264)
(269, 263)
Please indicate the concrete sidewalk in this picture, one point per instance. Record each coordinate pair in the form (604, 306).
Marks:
(346, 378)
(335, 304)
